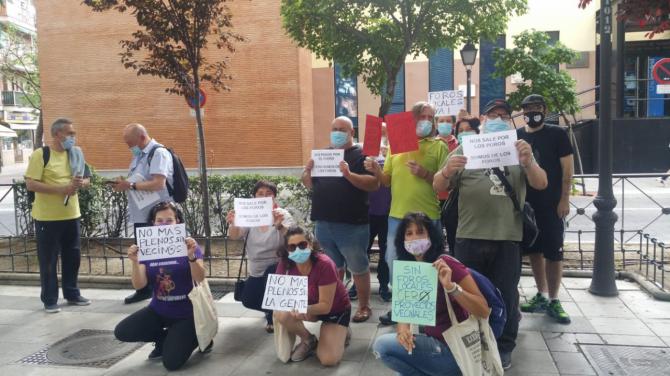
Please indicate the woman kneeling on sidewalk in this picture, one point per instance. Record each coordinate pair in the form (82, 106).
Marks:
(327, 300)
(428, 354)
(168, 320)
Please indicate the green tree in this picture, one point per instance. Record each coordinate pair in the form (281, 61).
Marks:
(535, 59)
(170, 45)
(654, 13)
(372, 39)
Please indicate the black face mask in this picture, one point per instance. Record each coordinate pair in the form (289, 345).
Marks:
(534, 119)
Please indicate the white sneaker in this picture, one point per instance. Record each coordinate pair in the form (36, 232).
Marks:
(304, 349)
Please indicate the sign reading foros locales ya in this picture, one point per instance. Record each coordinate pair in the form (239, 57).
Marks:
(447, 102)
(491, 150)
(161, 242)
(253, 212)
(414, 292)
(327, 162)
(285, 293)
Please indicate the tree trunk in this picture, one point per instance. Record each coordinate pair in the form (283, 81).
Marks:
(387, 97)
(204, 184)
(39, 133)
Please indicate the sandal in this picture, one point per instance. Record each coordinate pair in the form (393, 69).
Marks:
(269, 328)
(362, 315)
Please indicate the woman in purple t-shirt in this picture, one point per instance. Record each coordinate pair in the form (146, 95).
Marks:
(428, 354)
(168, 320)
(327, 300)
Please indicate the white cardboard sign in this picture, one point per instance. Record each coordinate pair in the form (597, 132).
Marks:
(447, 102)
(253, 212)
(327, 162)
(161, 242)
(142, 198)
(490, 150)
(285, 292)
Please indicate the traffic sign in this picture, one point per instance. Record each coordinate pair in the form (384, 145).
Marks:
(661, 71)
(203, 100)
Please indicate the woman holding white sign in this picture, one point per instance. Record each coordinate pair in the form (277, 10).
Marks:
(418, 239)
(168, 319)
(327, 300)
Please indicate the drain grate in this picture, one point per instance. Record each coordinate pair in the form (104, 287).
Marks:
(218, 292)
(85, 348)
(628, 360)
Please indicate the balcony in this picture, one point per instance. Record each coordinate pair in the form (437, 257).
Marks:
(14, 98)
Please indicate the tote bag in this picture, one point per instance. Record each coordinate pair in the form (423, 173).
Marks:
(284, 341)
(204, 313)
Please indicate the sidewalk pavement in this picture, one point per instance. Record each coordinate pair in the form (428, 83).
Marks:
(13, 172)
(242, 347)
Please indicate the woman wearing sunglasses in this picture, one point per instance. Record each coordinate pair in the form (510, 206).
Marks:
(327, 300)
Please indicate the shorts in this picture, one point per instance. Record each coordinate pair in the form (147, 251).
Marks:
(550, 237)
(345, 244)
(341, 318)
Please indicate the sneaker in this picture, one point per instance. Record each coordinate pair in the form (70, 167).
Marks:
(157, 352)
(385, 294)
(51, 308)
(353, 293)
(304, 349)
(537, 304)
(506, 360)
(387, 319)
(79, 301)
(555, 310)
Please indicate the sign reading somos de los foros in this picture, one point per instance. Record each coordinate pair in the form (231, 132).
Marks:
(161, 242)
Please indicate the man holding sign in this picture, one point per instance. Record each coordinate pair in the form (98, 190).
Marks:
(340, 210)
(489, 227)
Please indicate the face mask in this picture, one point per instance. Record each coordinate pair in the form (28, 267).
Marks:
(136, 151)
(533, 118)
(338, 139)
(423, 128)
(463, 134)
(417, 247)
(496, 125)
(300, 256)
(68, 143)
(444, 129)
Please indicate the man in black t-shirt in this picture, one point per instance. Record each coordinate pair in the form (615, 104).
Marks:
(553, 152)
(340, 212)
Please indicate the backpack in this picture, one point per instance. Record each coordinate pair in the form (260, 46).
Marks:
(179, 189)
(498, 315)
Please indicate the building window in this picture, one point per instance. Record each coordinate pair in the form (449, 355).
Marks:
(398, 103)
(441, 70)
(346, 96)
(490, 87)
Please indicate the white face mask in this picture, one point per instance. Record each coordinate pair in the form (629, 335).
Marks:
(417, 247)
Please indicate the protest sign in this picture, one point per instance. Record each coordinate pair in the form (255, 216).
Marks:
(373, 136)
(491, 150)
(285, 292)
(447, 102)
(401, 130)
(253, 212)
(414, 292)
(327, 162)
(142, 198)
(161, 242)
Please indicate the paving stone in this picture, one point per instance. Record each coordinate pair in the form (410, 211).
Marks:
(572, 363)
(608, 325)
(622, 285)
(543, 323)
(588, 338)
(614, 309)
(649, 309)
(530, 361)
(616, 339)
(576, 283)
(564, 342)
(583, 296)
(527, 340)
(660, 327)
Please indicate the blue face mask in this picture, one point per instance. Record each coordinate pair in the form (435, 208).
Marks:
(136, 151)
(496, 125)
(300, 256)
(423, 128)
(463, 134)
(68, 143)
(444, 129)
(338, 139)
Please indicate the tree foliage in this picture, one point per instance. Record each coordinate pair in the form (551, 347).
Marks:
(654, 13)
(536, 60)
(372, 39)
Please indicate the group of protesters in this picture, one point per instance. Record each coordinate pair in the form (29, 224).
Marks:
(393, 200)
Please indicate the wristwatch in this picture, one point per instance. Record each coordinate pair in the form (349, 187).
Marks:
(455, 291)
(133, 186)
(192, 259)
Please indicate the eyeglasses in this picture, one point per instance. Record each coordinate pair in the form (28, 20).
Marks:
(302, 245)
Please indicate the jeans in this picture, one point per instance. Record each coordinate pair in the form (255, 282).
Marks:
(176, 337)
(379, 229)
(391, 251)
(430, 357)
(499, 261)
(345, 244)
(254, 289)
(54, 237)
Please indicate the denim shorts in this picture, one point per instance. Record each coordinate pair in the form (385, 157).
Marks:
(345, 244)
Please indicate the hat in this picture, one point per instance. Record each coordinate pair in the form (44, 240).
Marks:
(533, 99)
(498, 103)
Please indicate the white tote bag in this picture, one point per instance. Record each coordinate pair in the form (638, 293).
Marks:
(284, 341)
(473, 345)
(204, 313)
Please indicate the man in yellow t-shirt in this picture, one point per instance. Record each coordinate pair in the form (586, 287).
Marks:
(410, 176)
(56, 214)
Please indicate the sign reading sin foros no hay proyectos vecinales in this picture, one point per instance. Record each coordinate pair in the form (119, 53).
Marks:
(161, 242)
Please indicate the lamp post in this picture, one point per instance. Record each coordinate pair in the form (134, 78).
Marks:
(468, 56)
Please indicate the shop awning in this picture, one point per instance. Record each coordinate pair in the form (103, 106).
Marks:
(22, 126)
(6, 132)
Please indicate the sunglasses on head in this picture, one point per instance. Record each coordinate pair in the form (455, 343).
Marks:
(302, 245)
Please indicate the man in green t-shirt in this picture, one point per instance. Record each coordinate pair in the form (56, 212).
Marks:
(489, 227)
(56, 213)
(410, 176)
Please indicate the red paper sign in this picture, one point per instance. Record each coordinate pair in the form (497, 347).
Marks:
(373, 135)
(401, 130)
